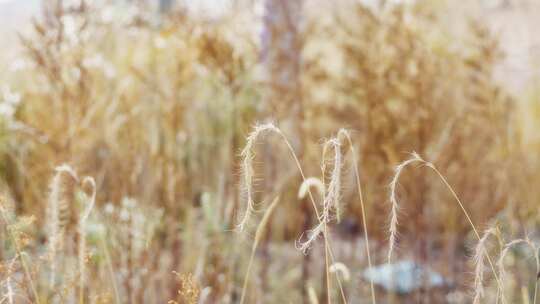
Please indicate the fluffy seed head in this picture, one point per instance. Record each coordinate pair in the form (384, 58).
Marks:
(480, 254)
(247, 168)
(393, 200)
(330, 196)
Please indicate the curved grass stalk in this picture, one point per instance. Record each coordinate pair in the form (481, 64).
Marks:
(247, 170)
(394, 221)
(344, 133)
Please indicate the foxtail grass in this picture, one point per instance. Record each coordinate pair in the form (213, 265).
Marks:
(58, 207)
(480, 251)
(61, 207)
(328, 200)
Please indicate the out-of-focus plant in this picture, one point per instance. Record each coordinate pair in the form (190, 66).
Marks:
(404, 85)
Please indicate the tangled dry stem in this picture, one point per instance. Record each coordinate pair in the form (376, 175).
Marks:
(330, 195)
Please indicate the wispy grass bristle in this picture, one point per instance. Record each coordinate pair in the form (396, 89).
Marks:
(393, 229)
(480, 255)
(480, 251)
(331, 194)
(248, 171)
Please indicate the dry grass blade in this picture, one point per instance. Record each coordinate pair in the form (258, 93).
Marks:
(395, 206)
(344, 133)
(258, 236)
(394, 213)
(329, 200)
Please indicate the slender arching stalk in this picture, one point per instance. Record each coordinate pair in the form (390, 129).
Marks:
(347, 136)
(430, 165)
(393, 221)
(248, 176)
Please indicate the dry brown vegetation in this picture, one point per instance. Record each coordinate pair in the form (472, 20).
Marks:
(135, 144)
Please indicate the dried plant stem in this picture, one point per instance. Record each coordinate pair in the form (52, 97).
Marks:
(393, 221)
(327, 265)
(247, 170)
(258, 237)
(347, 136)
(491, 264)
